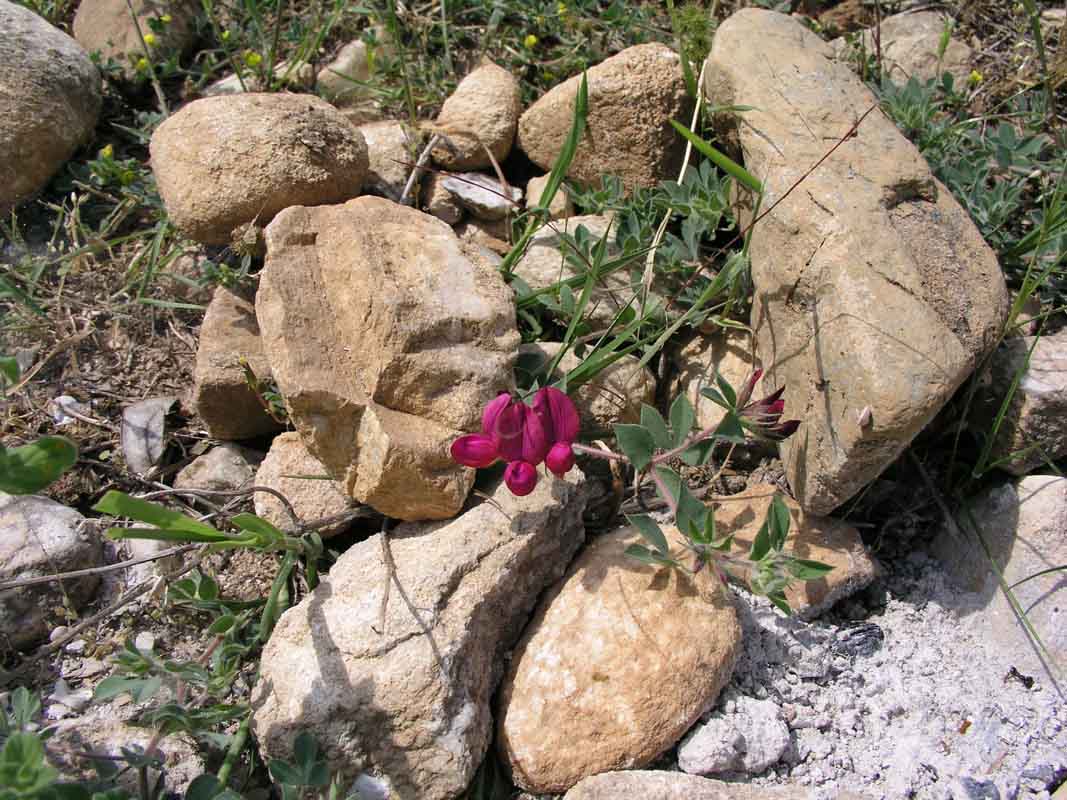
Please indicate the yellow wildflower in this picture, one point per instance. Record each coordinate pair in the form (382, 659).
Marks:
(149, 39)
(142, 64)
(107, 151)
(975, 77)
(530, 42)
(253, 59)
(225, 36)
(166, 19)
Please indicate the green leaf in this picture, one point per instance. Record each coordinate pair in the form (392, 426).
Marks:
(222, 624)
(805, 570)
(708, 534)
(699, 453)
(9, 368)
(778, 598)
(761, 545)
(778, 517)
(727, 390)
(203, 787)
(730, 429)
(140, 689)
(22, 765)
(636, 443)
(723, 162)
(120, 504)
(269, 536)
(682, 418)
(714, 396)
(31, 467)
(654, 423)
(691, 512)
(650, 531)
(648, 557)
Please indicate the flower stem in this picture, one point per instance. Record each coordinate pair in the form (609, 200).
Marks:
(599, 453)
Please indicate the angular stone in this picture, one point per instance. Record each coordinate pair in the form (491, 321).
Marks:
(38, 537)
(543, 264)
(106, 27)
(438, 201)
(874, 291)
(49, 102)
(391, 148)
(485, 197)
(484, 109)
(374, 306)
(224, 402)
(341, 81)
(648, 785)
(618, 661)
(311, 497)
(225, 467)
(632, 98)
(1034, 428)
(221, 162)
(811, 537)
(561, 205)
(403, 709)
(726, 353)
(749, 736)
(615, 395)
(909, 44)
(1023, 526)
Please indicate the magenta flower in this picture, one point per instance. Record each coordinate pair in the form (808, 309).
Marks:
(523, 436)
(763, 417)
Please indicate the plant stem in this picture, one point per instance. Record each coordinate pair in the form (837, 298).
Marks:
(599, 453)
(237, 744)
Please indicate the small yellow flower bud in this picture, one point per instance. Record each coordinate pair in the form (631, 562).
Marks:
(225, 36)
(253, 59)
(142, 64)
(107, 151)
(530, 42)
(166, 19)
(975, 77)
(149, 39)
(561, 8)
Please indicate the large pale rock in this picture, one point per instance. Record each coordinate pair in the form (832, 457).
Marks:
(873, 289)
(392, 150)
(485, 197)
(221, 162)
(226, 467)
(632, 98)
(483, 110)
(727, 353)
(647, 785)
(106, 27)
(1035, 425)
(909, 44)
(343, 81)
(1023, 526)
(49, 102)
(293, 471)
(811, 537)
(748, 736)
(619, 660)
(615, 395)
(545, 264)
(224, 402)
(38, 537)
(387, 338)
(561, 205)
(404, 709)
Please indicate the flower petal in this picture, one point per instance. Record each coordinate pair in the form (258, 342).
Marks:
(555, 405)
(560, 458)
(474, 450)
(508, 430)
(520, 477)
(492, 410)
(535, 438)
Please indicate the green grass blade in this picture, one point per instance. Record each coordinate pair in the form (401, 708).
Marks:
(722, 161)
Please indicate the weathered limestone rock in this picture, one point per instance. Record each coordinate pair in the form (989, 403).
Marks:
(221, 162)
(561, 205)
(632, 98)
(105, 26)
(298, 76)
(342, 80)
(404, 709)
(39, 536)
(225, 467)
(810, 537)
(544, 264)
(391, 147)
(748, 736)
(909, 44)
(226, 405)
(875, 295)
(484, 109)
(726, 353)
(387, 338)
(485, 197)
(648, 785)
(1023, 525)
(49, 102)
(1035, 425)
(311, 497)
(619, 660)
(615, 395)
(438, 201)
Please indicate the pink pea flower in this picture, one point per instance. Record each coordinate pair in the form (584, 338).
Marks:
(763, 416)
(523, 436)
